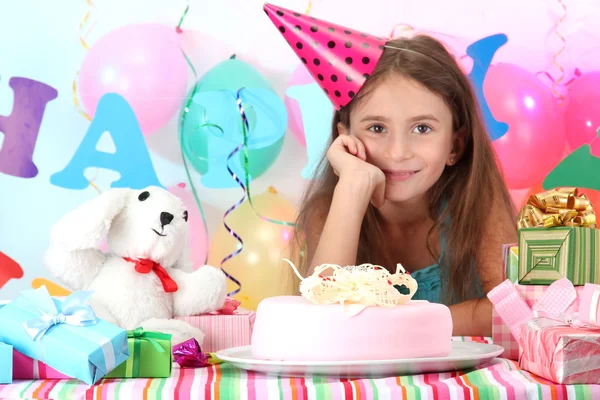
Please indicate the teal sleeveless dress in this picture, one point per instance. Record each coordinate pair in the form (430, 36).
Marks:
(430, 279)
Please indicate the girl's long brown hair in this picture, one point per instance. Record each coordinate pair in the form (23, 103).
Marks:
(464, 193)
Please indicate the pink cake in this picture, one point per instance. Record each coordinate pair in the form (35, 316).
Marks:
(291, 328)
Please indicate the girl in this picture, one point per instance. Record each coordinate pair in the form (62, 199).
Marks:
(410, 177)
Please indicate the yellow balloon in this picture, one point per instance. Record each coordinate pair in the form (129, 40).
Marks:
(259, 267)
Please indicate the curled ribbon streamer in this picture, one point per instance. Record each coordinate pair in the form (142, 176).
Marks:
(406, 27)
(181, 141)
(557, 207)
(245, 130)
(82, 36)
(308, 7)
(555, 57)
(78, 107)
(577, 74)
(231, 232)
(187, 8)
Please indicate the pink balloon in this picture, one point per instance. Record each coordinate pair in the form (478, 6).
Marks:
(144, 64)
(582, 110)
(300, 76)
(198, 238)
(535, 141)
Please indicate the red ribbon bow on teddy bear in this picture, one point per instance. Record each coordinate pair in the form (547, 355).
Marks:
(144, 266)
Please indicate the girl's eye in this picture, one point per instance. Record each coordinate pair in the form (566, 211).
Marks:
(377, 129)
(422, 129)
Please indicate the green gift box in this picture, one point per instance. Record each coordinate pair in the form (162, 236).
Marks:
(150, 356)
(510, 257)
(549, 254)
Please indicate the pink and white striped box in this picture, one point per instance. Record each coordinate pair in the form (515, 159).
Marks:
(224, 331)
(28, 368)
(501, 334)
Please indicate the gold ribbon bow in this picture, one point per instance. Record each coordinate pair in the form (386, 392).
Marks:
(557, 207)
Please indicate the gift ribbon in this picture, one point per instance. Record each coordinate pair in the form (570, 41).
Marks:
(594, 306)
(138, 335)
(514, 311)
(557, 207)
(74, 311)
(229, 306)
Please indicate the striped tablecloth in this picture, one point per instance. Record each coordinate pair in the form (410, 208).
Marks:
(501, 379)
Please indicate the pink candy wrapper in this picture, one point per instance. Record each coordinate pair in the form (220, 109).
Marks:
(561, 353)
(189, 354)
(224, 331)
(28, 368)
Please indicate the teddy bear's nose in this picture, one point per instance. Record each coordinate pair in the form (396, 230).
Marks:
(166, 218)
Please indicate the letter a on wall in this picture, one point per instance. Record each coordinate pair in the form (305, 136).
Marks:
(131, 158)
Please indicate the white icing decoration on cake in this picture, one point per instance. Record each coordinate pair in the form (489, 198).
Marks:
(356, 287)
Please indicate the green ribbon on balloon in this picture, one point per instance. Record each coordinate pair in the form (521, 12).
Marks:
(185, 164)
(246, 169)
(245, 129)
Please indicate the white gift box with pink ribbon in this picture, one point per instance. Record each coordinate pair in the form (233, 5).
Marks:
(557, 341)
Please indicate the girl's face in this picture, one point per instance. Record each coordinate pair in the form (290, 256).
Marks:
(407, 133)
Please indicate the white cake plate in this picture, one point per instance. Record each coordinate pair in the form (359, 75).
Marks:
(464, 355)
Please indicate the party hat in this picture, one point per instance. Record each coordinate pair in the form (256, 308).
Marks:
(339, 59)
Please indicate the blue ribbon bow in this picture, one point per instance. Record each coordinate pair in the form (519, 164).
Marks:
(74, 311)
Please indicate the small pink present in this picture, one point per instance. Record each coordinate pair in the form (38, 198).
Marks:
(501, 334)
(553, 343)
(560, 352)
(589, 309)
(28, 368)
(229, 327)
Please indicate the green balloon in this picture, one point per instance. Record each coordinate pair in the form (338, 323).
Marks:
(199, 137)
(232, 74)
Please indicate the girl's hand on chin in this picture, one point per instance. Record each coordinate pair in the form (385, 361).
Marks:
(348, 159)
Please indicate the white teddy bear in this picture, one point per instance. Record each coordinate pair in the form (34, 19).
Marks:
(147, 280)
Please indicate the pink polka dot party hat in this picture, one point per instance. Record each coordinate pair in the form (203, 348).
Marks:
(339, 59)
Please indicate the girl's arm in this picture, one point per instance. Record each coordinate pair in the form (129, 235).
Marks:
(337, 241)
(474, 317)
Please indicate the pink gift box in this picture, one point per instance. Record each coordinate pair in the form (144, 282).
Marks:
(501, 334)
(559, 352)
(224, 331)
(28, 368)
(589, 309)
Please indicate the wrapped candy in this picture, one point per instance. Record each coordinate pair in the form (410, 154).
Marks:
(189, 355)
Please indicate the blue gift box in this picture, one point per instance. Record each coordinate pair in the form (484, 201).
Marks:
(65, 335)
(6, 363)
